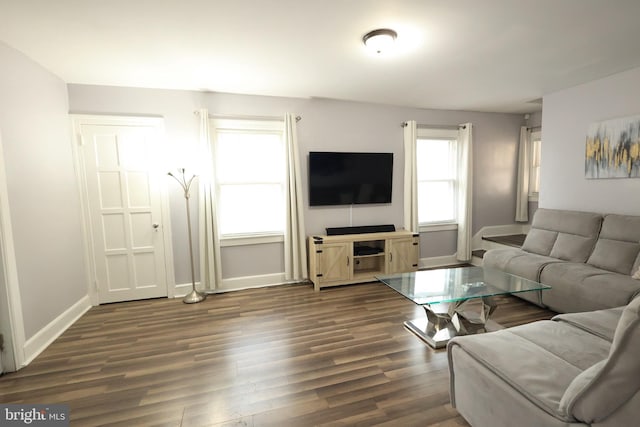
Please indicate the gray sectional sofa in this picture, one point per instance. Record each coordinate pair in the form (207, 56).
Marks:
(588, 259)
(581, 368)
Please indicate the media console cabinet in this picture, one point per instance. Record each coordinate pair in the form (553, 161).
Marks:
(357, 258)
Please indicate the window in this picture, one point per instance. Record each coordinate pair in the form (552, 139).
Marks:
(534, 168)
(250, 174)
(436, 157)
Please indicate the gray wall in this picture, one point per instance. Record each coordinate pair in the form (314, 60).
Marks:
(535, 119)
(566, 118)
(42, 189)
(325, 125)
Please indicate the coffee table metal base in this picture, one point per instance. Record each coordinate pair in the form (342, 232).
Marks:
(439, 327)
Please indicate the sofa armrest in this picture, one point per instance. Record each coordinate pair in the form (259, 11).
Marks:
(597, 392)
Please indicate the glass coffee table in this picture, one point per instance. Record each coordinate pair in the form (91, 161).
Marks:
(448, 296)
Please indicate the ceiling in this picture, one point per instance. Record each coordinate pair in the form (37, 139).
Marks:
(489, 55)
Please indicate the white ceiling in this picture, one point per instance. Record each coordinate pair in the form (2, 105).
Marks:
(481, 55)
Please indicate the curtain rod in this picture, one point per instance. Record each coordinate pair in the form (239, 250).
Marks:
(243, 117)
(456, 127)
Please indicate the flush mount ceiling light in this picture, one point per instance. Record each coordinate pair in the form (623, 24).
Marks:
(380, 40)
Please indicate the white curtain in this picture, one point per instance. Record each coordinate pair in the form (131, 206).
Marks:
(295, 249)
(210, 272)
(410, 177)
(522, 192)
(465, 191)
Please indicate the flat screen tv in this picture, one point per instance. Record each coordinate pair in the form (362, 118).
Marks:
(341, 178)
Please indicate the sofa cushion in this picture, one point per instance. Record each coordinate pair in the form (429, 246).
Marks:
(539, 241)
(517, 262)
(614, 255)
(621, 227)
(564, 221)
(618, 246)
(566, 235)
(636, 268)
(602, 323)
(499, 258)
(570, 247)
(598, 391)
(577, 287)
(539, 360)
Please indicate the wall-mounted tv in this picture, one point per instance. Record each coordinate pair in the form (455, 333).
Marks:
(341, 178)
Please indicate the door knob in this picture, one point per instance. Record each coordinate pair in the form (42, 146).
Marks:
(156, 226)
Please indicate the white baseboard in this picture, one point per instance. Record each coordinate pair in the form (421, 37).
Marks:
(252, 281)
(45, 336)
(237, 283)
(181, 289)
(438, 261)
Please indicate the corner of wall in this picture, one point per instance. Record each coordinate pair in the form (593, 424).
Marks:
(45, 336)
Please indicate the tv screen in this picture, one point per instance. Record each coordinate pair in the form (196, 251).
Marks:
(340, 178)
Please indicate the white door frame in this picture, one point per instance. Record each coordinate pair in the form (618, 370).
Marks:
(14, 335)
(78, 120)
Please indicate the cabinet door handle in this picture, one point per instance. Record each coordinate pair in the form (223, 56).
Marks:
(390, 256)
(347, 261)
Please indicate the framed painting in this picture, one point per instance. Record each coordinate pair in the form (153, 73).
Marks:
(613, 149)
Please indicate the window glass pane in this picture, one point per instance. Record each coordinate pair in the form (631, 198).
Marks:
(436, 201)
(251, 208)
(437, 175)
(250, 169)
(535, 159)
(249, 157)
(534, 179)
(435, 159)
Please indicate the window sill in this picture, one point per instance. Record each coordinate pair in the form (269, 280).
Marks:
(248, 239)
(428, 228)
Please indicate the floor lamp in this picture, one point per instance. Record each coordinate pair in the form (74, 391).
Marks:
(193, 296)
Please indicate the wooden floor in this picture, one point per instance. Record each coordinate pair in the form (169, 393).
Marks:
(280, 356)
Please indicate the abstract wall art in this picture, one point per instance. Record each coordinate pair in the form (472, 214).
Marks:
(613, 149)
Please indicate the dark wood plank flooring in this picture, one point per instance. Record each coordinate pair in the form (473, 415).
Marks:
(279, 356)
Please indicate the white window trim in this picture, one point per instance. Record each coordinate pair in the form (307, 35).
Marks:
(242, 124)
(434, 133)
(247, 125)
(446, 135)
(440, 226)
(251, 239)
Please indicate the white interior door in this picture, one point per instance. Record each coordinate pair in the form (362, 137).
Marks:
(124, 198)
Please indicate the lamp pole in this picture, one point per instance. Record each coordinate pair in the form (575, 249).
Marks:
(193, 296)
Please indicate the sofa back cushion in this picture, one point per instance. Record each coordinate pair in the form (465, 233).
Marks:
(601, 389)
(618, 245)
(566, 235)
